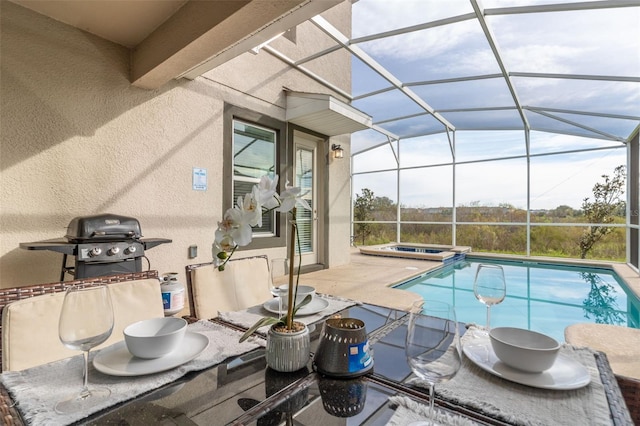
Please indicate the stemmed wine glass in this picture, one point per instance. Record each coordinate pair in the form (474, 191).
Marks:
(86, 320)
(433, 345)
(489, 287)
(277, 283)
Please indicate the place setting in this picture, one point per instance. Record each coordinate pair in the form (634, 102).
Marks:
(151, 346)
(278, 304)
(519, 355)
(526, 357)
(320, 306)
(157, 351)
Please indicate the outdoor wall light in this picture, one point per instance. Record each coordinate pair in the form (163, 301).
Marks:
(338, 152)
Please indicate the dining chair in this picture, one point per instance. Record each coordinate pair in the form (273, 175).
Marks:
(621, 345)
(243, 283)
(29, 331)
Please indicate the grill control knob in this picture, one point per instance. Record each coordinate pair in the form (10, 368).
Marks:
(96, 251)
(113, 250)
(130, 249)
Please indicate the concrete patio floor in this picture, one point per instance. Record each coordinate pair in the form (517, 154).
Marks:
(368, 279)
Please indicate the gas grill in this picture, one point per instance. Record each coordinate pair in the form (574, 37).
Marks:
(104, 244)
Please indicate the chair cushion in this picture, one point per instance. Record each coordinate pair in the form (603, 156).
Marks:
(621, 344)
(30, 326)
(243, 283)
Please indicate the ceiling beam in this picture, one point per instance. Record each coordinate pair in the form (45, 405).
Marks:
(213, 29)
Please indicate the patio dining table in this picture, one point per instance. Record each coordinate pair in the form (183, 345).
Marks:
(241, 390)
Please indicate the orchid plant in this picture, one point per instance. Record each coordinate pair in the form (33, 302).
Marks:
(235, 230)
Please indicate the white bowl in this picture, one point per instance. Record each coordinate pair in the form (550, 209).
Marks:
(524, 350)
(303, 291)
(155, 337)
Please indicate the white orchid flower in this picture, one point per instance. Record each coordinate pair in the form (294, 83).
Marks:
(240, 224)
(291, 197)
(265, 192)
(250, 210)
(223, 242)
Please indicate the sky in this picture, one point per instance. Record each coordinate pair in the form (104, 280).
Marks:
(585, 43)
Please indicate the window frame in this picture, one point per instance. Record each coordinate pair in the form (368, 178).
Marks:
(231, 113)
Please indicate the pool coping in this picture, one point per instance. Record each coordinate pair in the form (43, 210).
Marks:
(447, 252)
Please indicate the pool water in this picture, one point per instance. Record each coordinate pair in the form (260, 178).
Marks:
(540, 296)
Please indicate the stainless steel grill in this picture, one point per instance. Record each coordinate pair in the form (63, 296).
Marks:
(104, 244)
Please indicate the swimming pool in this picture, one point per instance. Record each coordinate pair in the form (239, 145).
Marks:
(543, 297)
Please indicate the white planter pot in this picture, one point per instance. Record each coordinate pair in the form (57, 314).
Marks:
(288, 352)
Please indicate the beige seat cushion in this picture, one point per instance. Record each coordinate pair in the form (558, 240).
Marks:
(243, 283)
(621, 344)
(30, 326)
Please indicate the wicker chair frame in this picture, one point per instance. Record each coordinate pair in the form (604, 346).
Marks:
(630, 389)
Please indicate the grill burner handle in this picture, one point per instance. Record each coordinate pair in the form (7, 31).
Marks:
(129, 234)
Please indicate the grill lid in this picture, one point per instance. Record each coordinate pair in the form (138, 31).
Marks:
(103, 227)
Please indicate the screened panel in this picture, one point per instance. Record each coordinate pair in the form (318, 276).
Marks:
(380, 158)
(493, 238)
(412, 56)
(592, 42)
(366, 139)
(608, 97)
(383, 205)
(563, 181)
(374, 233)
(504, 118)
(425, 234)
(367, 14)
(544, 143)
(423, 124)
(426, 194)
(491, 92)
(492, 191)
(606, 126)
(483, 145)
(425, 150)
(564, 241)
(387, 105)
(367, 81)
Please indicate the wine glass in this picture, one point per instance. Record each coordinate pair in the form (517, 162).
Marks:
(433, 345)
(86, 320)
(277, 283)
(489, 287)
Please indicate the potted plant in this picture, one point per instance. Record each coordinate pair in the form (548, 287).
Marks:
(288, 345)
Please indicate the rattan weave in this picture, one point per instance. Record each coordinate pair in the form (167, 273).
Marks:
(630, 389)
(8, 413)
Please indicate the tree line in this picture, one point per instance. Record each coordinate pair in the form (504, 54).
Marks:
(599, 240)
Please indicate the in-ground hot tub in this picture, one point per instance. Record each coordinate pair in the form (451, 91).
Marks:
(435, 252)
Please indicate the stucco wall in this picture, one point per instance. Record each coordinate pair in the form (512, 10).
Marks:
(77, 139)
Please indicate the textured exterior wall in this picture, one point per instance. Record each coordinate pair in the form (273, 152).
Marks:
(78, 139)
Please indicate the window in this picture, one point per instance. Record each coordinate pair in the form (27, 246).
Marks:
(254, 146)
(254, 155)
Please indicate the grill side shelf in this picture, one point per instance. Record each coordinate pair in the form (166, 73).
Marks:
(152, 242)
(60, 246)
